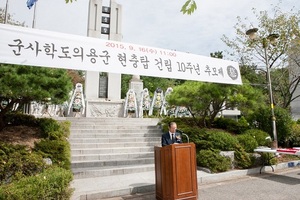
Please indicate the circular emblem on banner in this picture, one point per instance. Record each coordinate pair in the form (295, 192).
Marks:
(232, 72)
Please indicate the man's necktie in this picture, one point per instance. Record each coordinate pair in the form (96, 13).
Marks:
(173, 138)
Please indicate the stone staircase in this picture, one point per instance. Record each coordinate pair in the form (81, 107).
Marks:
(112, 146)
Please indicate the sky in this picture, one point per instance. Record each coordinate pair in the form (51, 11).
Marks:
(153, 23)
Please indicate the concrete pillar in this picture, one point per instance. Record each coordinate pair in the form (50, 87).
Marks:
(94, 30)
(112, 106)
(114, 80)
(91, 88)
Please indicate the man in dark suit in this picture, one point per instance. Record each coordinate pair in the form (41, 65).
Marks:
(171, 136)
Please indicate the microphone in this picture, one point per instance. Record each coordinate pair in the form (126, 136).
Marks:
(179, 131)
(182, 133)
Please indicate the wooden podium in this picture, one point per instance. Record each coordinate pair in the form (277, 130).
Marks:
(176, 172)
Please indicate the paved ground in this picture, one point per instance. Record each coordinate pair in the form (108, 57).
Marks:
(282, 184)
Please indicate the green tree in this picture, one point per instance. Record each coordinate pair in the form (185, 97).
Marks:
(125, 78)
(256, 77)
(250, 98)
(263, 121)
(206, 100)
(251, 52)
(22, 84)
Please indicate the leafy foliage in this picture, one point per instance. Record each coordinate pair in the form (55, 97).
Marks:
(248, 142)
(17, 162)
(222, 140)
(125, 78)
(53, 183)
(242, 158)
(213, 160)
(57, 150)
(54, 145)
(207, 100)
(25, 174)
(268, 159)
(262, 120)
(23, 84)
(50, 128)
(279, 54)
(231, 125)
(294, 139)
(211, 141)
(260, 136)
(17, 119)
(189, 7)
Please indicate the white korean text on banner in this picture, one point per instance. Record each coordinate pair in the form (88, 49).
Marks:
(33, 47)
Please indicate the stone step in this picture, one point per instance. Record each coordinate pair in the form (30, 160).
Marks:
(114, 126)
(111, 156)
(111, 150)
(109, 119)
(103, 147)
(106, 124)
(119, 140)
(134, 137)
(105, 163)
(110, 171)
(92, 143)
(113, 132)
(114, 121)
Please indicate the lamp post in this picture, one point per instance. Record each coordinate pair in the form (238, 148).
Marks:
(265, 43)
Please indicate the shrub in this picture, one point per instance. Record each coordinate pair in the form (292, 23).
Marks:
(50, 128)
(53, 183)
(268, 159)
(20, 169)
(65, 128)
(213, 160)
(242, 158)
(231, 125)
(201, 140)
(260, 136)
(16, 162)
(182, 123)
(284, 124)
(222, 140)
(248, 142)
(262, 120)
(222, 122)
(57, 150)
(294, 139)
(17, 119)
